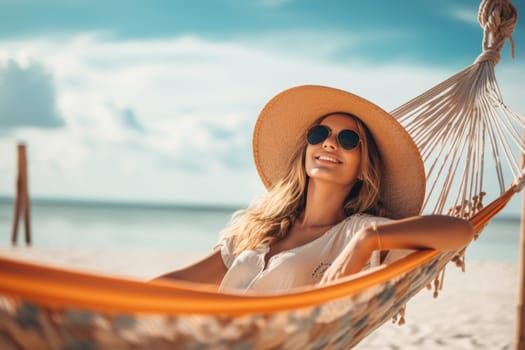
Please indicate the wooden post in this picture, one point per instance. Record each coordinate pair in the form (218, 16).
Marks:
(520, 314)
(21, 203)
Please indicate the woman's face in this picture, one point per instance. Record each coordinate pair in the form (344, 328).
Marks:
(328, 161)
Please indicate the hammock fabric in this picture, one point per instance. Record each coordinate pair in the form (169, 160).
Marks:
(49, 308)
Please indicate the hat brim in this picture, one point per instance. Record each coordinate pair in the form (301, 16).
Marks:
(286, 117)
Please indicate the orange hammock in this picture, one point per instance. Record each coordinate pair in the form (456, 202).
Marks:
(49, 308)
(43, 307)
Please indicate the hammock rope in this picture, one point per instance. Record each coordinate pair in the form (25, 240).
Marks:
(459, 120)
(454, 123)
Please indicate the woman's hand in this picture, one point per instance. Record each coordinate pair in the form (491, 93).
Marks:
(353, 257)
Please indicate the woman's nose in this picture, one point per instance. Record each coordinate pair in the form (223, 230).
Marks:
(330, 142)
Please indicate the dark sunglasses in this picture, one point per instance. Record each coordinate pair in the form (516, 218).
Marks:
(348, 139)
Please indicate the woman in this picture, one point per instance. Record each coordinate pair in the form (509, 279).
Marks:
(346, 184)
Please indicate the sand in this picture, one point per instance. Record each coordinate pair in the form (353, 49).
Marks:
(475, 310)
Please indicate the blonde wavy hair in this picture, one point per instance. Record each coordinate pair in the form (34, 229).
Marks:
(270, 218)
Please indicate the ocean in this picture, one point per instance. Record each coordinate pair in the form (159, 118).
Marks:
(71, 225)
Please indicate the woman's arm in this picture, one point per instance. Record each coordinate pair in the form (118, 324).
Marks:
(439, 232)
(209, 270)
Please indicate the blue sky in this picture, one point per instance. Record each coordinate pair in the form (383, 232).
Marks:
(156, 100)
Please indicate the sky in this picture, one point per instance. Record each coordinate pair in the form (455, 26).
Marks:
(155, 101)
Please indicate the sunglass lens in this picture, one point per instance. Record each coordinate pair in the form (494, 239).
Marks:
(317, 134)
(348, 139)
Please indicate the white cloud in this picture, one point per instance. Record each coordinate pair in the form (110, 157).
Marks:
(195, 102)
(466, 15)
(27, 97)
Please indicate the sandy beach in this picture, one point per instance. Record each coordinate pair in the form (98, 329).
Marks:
(475, 310)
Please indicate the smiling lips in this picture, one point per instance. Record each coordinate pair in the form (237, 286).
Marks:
(328, 158)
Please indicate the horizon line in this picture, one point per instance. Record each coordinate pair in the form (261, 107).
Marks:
(136, 203)
(131, 203)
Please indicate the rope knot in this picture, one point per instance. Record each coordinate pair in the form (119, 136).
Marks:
(519, 183)
(497, 18)
(492, 55)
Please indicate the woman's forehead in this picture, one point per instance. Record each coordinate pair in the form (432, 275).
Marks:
(339, 122)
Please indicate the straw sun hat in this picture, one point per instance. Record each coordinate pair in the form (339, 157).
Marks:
(286, 117)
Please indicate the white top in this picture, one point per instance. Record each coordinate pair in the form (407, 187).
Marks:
(297, 267)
